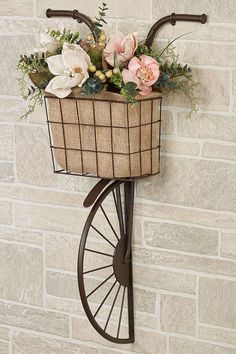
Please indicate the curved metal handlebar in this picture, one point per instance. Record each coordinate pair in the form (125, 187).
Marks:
(75, 14)
(172, 19)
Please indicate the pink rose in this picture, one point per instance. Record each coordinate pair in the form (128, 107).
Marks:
(144, 72)
(124, 46)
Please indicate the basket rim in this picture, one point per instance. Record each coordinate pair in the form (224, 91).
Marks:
(104, 96)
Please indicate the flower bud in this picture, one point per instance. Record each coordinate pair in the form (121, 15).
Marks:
(102, 77)
(99, 72)
(116, 71)
(89, 37)
(92, 68)
(109, 74)
(102, 38)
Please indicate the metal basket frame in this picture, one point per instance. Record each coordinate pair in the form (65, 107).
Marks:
(128, 128)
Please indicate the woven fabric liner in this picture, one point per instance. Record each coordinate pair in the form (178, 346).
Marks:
(104, 136)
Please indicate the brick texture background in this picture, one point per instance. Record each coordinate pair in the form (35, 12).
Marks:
(185, 235)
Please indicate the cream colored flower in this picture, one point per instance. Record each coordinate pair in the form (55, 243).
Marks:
(47, 42)
(70, 69)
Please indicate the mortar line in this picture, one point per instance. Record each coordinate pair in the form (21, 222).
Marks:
(197, 306)
(188, 271)
(44, 271)
(19, 243)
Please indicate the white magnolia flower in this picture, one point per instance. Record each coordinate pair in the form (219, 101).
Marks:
(47, 43)
(70, 68)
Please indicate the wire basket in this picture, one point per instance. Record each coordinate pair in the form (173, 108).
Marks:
(103, 136)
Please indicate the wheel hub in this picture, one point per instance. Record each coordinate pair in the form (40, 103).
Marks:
(122, 270)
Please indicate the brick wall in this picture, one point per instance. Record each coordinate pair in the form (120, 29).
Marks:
(185, 235)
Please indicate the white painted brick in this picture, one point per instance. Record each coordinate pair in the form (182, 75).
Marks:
(186, 346)
(38, 320)
(182, 261)
(221, 335)
(178, 314)
(37, 168)
(180, 147)
(6, 212)
(26, 343)
(201, 184)
(228, 245)
(217, 302)
(219, 151)
(16, 8)
(19, 281)
(13, 46)
(49, 218)
(180, 237)
(165, 280)
(208, 126)
(6, 142)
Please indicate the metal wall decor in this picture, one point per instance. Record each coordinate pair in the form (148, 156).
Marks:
(105, 266)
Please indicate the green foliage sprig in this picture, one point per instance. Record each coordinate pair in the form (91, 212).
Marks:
(100, 21)
(33, 62)
(34, 67)
(33, 95)
(65, 36)
(117, 80)
(129, 91)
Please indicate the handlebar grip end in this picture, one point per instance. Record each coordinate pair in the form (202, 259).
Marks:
(48, 13)
(203, 18)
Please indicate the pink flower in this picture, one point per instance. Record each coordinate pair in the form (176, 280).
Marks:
(144, 72)
(124, 46)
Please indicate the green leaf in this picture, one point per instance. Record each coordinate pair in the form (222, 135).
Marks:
(102, 13)
(129, 91)
(97, 24)
(116, 63)
(117, 80)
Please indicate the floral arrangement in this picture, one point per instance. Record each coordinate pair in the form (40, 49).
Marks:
(65, 62)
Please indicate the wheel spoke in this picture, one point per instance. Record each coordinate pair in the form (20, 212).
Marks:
(121, 312)
(104, 237)
(98, 252)
(113, 304)
(104, 281)
(109, 222)
(118, 204)
(105, 299)
(96, 269)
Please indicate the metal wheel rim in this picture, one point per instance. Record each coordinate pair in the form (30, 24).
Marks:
(80, 266)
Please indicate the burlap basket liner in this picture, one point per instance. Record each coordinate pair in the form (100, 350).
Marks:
(104, 136)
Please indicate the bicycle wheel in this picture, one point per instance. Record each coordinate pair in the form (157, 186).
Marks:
(105, 263)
